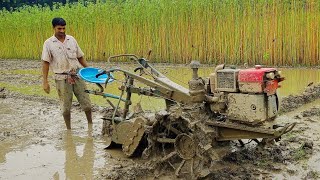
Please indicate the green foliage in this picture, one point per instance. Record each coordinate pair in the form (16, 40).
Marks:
(270, 32)
(299, 154)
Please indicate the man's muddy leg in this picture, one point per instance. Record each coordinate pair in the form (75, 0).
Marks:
(67, 119)
(83, 98)
(89, 116)
(65, 95)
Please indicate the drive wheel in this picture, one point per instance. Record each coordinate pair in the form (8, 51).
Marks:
(185, 158)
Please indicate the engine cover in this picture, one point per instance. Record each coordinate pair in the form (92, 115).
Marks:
(254, 80)
(251, 108)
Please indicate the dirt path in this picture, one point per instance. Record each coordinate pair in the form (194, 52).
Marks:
(35, 145)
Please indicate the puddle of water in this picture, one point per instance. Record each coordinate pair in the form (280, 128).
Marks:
(77, 158)
(36, 161)
(296, 80)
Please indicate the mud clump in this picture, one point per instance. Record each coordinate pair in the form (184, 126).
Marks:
(312, 175)
(307, 144)
(292, 102)
(311, 112)
(130, 171)
(229, 173)
(302, 152)
(257, 156)
(2, 92)
(37, 98)
(16, 64)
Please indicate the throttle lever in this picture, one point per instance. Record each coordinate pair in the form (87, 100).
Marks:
(101, 73)
(108, 78)
(141, 70)
(138, 68)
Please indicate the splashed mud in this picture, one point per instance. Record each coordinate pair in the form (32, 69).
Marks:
(35, 145)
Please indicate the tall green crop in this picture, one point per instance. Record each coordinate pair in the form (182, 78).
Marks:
(271, 32)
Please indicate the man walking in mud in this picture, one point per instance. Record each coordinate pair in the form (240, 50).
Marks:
(63, 55)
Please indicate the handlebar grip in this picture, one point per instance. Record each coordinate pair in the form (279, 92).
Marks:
(101, 73)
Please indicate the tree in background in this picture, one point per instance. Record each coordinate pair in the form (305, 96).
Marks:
(14, 4)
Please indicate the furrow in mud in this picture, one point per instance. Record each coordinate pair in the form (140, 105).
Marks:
(292, 102)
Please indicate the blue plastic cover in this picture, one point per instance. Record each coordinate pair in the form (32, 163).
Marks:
(89, 74)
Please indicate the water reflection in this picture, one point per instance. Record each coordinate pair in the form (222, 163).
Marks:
(78, 164)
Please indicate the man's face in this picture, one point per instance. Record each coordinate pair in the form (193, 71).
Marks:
(59, 31)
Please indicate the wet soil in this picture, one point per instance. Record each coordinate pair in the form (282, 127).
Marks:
(292, 102)
(35, 144)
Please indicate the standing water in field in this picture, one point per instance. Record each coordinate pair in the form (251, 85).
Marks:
(34, 143)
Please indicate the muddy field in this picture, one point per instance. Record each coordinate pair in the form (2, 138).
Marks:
(36, 145)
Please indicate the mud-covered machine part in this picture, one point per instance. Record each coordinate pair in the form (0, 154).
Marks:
(229, 104)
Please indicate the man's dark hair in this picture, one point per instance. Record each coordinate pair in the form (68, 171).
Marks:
(58, 22)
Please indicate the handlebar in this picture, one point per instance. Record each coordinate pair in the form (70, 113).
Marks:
(134, 57)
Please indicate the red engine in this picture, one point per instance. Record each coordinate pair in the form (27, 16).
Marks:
(246, 95)
(259, 80)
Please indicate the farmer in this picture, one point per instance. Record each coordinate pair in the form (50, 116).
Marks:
(63, 55)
